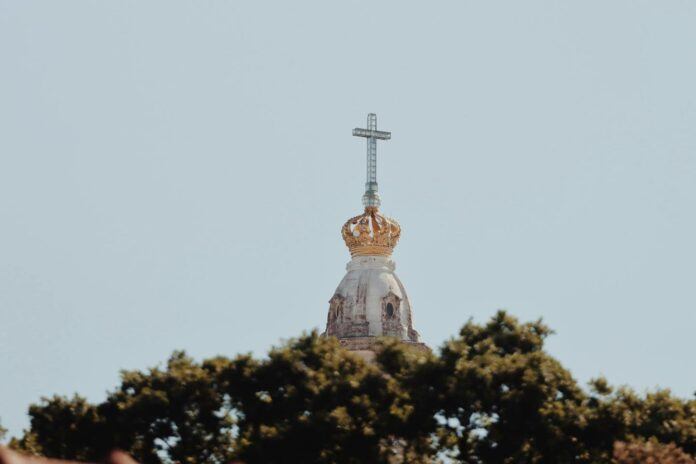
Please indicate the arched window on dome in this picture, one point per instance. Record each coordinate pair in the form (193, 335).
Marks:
(390, 310)
(335, 316)
(391, 316)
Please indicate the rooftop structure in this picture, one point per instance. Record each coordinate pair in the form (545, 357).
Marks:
(371, 301)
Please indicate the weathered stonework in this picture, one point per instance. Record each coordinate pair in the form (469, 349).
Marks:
(391, 316)
(371, 344)
(370, 302)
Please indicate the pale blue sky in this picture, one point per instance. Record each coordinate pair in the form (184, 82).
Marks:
(174, 175)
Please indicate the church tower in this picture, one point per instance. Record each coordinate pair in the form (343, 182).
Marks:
(371, 301)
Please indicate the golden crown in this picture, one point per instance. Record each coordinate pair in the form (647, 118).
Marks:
(371, 233)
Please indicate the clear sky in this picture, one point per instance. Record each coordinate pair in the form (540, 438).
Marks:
(174, 175)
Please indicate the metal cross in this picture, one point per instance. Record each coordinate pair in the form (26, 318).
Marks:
(371, 197)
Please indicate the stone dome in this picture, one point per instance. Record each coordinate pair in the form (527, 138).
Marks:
(371, 301)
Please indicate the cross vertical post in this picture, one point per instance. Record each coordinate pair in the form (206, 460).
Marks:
(371, 197)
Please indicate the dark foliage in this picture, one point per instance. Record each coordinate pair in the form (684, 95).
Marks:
(650, 452)
(492, 395)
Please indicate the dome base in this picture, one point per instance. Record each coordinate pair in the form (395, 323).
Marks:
(371, 344)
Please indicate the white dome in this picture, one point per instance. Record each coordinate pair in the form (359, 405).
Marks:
(371, 301)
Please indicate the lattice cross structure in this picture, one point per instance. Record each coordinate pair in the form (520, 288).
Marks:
(371, 197)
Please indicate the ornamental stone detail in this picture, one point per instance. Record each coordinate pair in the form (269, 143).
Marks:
(371, 301)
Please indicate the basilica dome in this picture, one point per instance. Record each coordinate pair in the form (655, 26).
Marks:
(370, 301)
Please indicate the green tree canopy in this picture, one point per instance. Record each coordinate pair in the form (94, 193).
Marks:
(650, 452)
(492, 394)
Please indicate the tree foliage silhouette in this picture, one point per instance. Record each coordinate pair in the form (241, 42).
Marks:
(491, 395)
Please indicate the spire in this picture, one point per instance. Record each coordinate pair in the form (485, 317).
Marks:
(371, 197)
(371, 302)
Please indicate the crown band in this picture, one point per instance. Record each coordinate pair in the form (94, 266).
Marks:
(371, 234)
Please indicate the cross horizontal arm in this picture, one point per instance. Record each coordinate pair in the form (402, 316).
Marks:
(375, 134)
